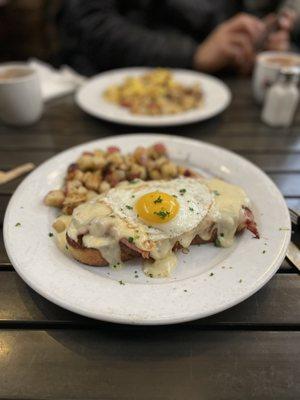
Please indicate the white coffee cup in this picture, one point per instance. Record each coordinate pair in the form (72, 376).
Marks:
(268, 64)
(20, 94)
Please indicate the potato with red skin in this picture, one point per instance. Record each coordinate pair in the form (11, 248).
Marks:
(113, 149)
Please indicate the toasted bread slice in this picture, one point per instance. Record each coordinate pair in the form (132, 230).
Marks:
(94, 257)
(129, 251)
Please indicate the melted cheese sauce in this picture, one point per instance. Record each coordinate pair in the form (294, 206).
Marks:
(229, 202)
(161, 268)
(102, 230)
(60, 226)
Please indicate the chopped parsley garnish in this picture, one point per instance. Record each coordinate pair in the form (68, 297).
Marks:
(218, 243)
(158, 200)
(112, 216)
(136, 237)
(151, 275)
(130, 239)
(284, 229)
(222, 234)
(241, 280)
(133, 181)
(18, 224)
(264, 251)
(67, 248)
(136, 276)
(121, 283)
(191, 209)
(185, 290)
(216, 193)
(162, 213)
(182, 191)
(133, 196)
(174, 195)
(211, 274)
(50, 234)
(129, 207)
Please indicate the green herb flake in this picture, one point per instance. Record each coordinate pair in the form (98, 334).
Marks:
(284, 229)
(121, 283)
(133, 196)
(264, 251)
(191, 209)
(67, 248)
(50, 234)
(134, 181)
(185, 290)
(162, 213)
(136, 276)
(211, 274)
(151, 275)
(158, 200)
(222, 234)
(182, 191)
(217, 243)
(216, 193)
(130, 239)
(18, 224)
(112, 216)
(129, 207)
(174, 195)
(241, 280)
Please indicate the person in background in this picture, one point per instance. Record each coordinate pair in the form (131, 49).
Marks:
(205, 35)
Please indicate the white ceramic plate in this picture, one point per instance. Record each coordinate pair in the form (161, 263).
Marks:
(217, 97)
(207, 280)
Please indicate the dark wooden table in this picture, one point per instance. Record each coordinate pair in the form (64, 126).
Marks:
(251, 351)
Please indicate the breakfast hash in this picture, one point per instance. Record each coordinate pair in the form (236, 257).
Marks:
(155, 93)
(97, 171)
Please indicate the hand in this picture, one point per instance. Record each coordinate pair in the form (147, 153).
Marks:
(231, 44)
(280, 40)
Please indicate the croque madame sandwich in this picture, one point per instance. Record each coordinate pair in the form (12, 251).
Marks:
(152, 220)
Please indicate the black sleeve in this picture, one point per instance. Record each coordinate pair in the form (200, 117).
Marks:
(110, 40)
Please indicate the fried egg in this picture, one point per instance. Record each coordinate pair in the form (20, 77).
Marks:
(164, 209)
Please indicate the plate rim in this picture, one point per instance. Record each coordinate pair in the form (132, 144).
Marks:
(269, 273)
(154, 123)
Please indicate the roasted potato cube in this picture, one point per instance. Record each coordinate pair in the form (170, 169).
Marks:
(103, 187)
(54, 198)
(169, 170)
(59, 225)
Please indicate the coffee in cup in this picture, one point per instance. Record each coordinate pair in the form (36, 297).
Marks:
(268, 64)
(20, 95)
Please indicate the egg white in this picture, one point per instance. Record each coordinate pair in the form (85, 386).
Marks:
(194, 203)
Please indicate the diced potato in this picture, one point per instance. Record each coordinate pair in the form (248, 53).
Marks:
(169, 170)
(55, 198)
(104, 187)
(59, 225)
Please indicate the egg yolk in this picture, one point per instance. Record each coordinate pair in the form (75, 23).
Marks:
(157, 207)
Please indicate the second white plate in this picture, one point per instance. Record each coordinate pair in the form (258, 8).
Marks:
(217, 97)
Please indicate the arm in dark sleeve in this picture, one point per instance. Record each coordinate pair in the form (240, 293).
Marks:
(110, 40)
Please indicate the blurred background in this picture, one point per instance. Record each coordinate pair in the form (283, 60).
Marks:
(48, 30)
(28, 29)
